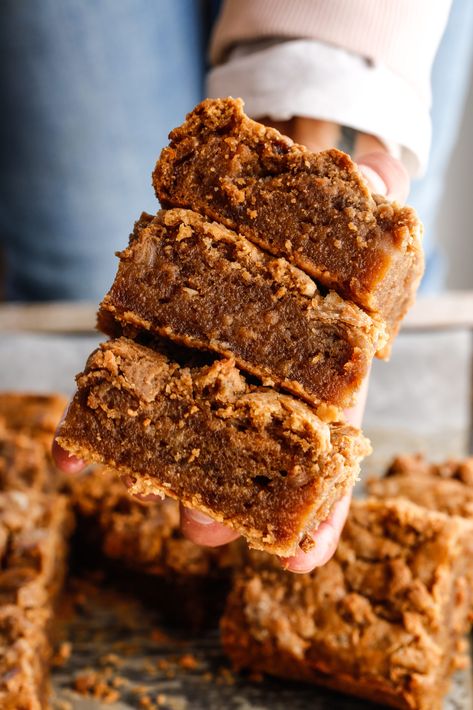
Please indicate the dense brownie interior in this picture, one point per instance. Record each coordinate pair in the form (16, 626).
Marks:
(200, 284)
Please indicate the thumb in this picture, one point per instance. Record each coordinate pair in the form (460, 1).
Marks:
(385, 175)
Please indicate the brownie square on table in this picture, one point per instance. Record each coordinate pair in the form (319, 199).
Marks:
(383, 620)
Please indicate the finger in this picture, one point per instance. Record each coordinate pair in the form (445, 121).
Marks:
(284, 127)
(315, 134)
(66, 462)
(354, 415)
(326, 540)
(202, 530)
(385, 175)
(366, 143)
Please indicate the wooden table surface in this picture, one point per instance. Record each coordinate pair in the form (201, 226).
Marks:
(420, 400)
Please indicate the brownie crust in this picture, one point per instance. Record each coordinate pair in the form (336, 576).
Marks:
(383, 620)
(314, 209)
(261, 462)
(204, 286)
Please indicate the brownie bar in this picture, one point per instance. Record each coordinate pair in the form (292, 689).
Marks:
(34, 528)
(261, 462)
(446, 487)
(206, 287)
(24, 656)
(27, 426)
(383, 620)
(143, 536)
(32, 414)
(24, 463)
(314, 209)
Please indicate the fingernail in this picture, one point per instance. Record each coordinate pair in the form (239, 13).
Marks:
(199, 517)
(375, 181)
(148, 497)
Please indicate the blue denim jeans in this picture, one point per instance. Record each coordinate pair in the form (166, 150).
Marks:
(90, 90)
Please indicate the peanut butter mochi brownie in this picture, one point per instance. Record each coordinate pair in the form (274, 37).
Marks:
(314, 209)
(34, 528)
(446, 487)
(384, 620)
(259, 461)
(202, 285)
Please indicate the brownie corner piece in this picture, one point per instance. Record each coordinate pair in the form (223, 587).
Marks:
(259, 461)
(27, 426)
(383, 620)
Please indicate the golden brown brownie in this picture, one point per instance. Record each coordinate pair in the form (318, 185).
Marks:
(24, 656)
(383, 620)
(314, 209)
(143, 536)
(30, 413)
(24, 462)
(202, 285)
(446, 487)
(27, 426)
(34, 528)
(261, 462)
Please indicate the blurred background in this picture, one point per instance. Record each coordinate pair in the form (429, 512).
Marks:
(455, 224)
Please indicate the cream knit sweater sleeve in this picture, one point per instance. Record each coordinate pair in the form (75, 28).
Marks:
(362, 63)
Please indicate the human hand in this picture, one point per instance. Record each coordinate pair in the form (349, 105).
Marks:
(386, 176)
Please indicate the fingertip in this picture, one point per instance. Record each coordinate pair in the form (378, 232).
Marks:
(66, 462)
(385, 174)
(354, 415)
(202, 530)
(326, 539)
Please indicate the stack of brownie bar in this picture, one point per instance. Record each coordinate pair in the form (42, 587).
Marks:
(243, 318)
(35, 523)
